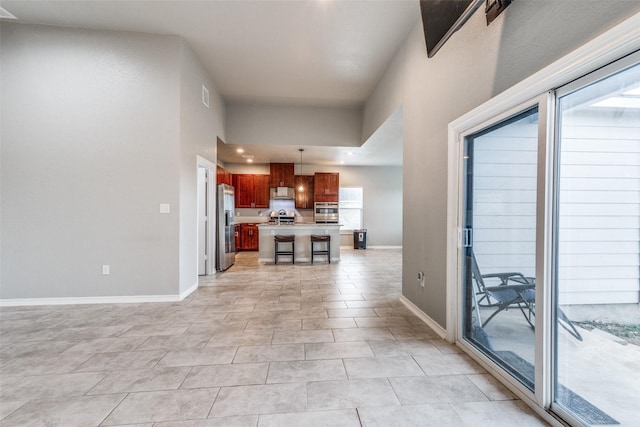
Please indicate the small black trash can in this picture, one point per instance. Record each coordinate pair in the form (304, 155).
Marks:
(360, 239)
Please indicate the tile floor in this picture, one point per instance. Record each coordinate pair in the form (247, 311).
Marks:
(258, 345)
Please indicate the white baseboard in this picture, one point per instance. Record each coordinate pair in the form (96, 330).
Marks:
(131, 299)
(189, 291)
(422, 316)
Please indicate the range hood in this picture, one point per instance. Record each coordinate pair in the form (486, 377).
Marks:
(283, 193)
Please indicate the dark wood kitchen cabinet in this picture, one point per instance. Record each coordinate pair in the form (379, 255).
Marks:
(281, 174)
(251, 191)
(223, 176)
(248, 237)
(236, 230)
(326, 186)
(304, 191)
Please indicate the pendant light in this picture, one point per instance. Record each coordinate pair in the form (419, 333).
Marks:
(301, 187)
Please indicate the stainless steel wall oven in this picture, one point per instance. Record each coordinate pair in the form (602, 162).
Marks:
(326, 212)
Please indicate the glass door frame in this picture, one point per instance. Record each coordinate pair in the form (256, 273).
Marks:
(545, 104)
(567, 89)
(612, 46)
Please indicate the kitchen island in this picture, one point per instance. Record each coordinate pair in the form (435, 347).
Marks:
(303, 232)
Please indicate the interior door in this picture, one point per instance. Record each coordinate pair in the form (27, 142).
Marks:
(203, 231)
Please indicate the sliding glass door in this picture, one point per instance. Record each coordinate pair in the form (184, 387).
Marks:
(500, 242)
(549, 248)
(597, 283)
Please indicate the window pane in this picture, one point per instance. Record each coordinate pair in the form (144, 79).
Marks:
(598, 251)
(500, 220)
(351, 207)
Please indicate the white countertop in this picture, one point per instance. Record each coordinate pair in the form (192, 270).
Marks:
(299, 224)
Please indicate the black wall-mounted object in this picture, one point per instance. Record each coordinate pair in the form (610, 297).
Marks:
(442, 18)
(494, 8)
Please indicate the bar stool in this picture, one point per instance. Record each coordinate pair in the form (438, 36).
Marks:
(285, 238)
(321, 238)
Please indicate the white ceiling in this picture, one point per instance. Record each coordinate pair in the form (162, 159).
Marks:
(311, 52)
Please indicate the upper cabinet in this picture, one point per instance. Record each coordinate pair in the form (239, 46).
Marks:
(304, 191)
(281, 175)
(326, 187)
(251, 191)
(223, 176)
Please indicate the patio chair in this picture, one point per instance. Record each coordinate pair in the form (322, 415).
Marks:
(513, 290)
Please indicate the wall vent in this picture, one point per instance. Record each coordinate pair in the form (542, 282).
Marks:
(205, 96)
(5, 14)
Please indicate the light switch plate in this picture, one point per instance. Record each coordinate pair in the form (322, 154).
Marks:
(105, 269)
(165, 208)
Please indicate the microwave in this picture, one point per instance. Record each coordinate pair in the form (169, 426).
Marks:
(326, 212)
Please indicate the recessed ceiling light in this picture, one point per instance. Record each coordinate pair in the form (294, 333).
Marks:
(350, 153)
(249, 160)
(240, 150)
(5, 14)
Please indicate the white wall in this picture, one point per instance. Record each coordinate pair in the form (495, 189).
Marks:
(98, 129)
(477, 63)
(289, 125)
(199, 129)
(382, 194)
(90, 132)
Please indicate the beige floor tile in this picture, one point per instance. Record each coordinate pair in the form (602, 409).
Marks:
(199, 356)
(403, 348)
(341, 418)
(134, 380)
(175, 342)
(337, 350)
(362, 334)
(157, 406)
(448, 364)
(311, 370)
(337, 323)
(277, 306)
(260, 399)
(491, 387)
(43, 365)
(48, 386)
(350, 394)
(7, 407)
(226, 375)
(72, 411)
(106, 345)
(241, 421)
(154, 329)
(381, 367)
(220, 327)
(276, 324)
(306, 336)
(412, 333)
(269, 353)
(434, 415)
(172, 358)
(351, 312)
(122, 360)
(381, 322)
(498, 414)
(447, 388)
(307, 313)
(239, 338)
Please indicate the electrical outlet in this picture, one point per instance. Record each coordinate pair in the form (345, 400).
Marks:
(105, 269)
(421, 279)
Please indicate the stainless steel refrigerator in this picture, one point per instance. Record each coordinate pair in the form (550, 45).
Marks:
(225, 236)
